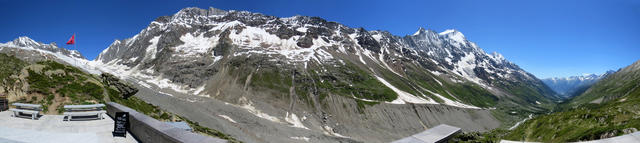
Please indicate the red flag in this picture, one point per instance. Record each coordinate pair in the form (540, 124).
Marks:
(72, 40)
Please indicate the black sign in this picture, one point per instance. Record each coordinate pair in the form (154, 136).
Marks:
(121, 124)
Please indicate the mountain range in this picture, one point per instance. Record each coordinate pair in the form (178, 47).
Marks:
(262, 78)
(573, 86)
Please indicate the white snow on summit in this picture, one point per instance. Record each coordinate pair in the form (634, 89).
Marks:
(453, 35)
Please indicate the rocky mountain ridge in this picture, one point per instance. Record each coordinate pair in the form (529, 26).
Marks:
(199, 39)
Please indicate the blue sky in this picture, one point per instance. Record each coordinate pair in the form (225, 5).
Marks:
(548, 38)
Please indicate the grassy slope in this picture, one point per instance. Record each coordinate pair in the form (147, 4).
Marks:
(50, 84)
(582, 120)
(10, 66)
(587, 122)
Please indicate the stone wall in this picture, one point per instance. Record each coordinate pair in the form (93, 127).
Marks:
(149, 130)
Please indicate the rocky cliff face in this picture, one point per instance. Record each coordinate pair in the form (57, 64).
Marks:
(321, 75)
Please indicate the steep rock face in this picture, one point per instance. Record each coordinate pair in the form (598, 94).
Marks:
(125, 89)
(277, 68)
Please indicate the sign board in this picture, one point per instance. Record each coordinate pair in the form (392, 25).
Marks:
(4, 103)
(121, 124)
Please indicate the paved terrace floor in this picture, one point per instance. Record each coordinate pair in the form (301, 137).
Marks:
(51, 129)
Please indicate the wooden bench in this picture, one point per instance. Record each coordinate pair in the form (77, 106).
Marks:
(22, 108)
(84, 110)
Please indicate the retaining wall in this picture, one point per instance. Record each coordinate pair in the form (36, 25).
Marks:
(150, 130)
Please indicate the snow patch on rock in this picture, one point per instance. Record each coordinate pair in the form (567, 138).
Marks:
(294, 120)
(227, 118)
(301, 138)
(404, 97)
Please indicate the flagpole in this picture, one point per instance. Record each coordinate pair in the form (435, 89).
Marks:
(75, 46)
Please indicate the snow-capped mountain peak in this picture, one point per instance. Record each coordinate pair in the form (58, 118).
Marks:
(25, 41)
(497, 56)
(454, 35)
(420, 31)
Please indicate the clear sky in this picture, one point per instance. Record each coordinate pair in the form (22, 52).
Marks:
(548, 38)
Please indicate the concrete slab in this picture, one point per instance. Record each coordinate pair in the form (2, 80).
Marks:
(436, 134)
(51, 128)
(628, 138)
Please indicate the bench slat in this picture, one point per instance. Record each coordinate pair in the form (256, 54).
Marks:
(84, 106)
(27, 105)
(84, 113)
(25, 111)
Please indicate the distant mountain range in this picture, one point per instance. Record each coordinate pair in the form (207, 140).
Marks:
(572, 86)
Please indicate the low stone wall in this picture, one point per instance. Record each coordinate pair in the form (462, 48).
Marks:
(149, 130)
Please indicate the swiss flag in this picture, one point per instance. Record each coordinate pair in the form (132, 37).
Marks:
(72, 40)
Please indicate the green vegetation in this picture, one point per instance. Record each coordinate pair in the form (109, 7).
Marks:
(272, 79)
(492, 136)
(586, 122)
(63, 83)
(10, 66)
(612, 87)
(350, 81)
(473, 94)
(616, 113)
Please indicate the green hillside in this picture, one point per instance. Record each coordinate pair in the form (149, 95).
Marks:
(609, 108)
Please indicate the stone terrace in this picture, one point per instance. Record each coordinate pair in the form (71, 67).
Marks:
(51, 128)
